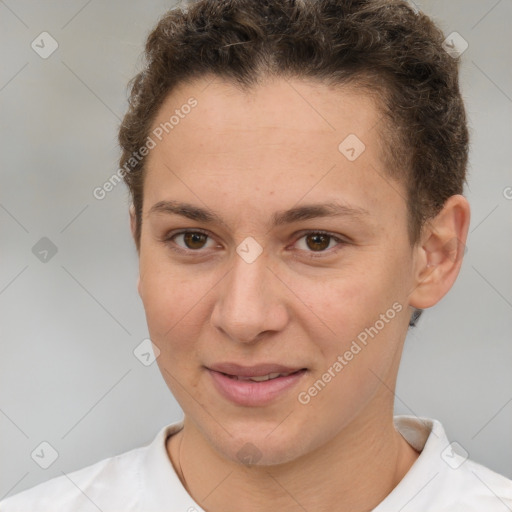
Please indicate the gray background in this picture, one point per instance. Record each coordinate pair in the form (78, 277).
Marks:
(68, 327)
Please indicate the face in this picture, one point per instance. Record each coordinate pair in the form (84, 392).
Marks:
(267, 248)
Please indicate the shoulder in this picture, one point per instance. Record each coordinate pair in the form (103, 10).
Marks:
(477, 487)
(443, 478)
(116, 483)
(470, 485)
(81, 489)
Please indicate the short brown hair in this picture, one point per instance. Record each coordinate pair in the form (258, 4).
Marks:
(384, 46)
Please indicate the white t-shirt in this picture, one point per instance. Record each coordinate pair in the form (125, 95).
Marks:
(144, 480)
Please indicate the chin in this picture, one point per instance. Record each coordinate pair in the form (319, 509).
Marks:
(253, 445)
(256, 453)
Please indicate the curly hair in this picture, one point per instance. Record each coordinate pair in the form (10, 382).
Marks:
(384, 47)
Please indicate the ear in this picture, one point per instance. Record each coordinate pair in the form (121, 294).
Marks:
(132, 220)
(133, 223)
(439, 253)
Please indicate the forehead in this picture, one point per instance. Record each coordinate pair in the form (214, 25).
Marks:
(275, 110)
(285, 137)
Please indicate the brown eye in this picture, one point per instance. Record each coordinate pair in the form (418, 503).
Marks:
(318, 241)
(316, 244)
(194, 240)
(190, 243)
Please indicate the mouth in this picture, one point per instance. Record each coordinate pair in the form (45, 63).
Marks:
(262, 378)
(256, 385)
(257, 370)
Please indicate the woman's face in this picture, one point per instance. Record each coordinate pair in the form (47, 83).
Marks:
(273, 242)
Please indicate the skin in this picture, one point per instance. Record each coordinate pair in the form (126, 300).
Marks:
(247, 156)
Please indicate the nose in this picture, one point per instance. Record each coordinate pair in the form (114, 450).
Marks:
(250, 303)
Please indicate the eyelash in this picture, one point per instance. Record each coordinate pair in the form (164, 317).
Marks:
(168, 239)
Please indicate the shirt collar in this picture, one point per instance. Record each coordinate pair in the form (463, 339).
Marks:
(162, 487)
(421, 483)
(164, 490)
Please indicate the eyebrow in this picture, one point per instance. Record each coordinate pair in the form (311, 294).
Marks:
(298, 213)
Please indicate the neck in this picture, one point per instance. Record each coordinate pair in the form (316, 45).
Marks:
(354, 471)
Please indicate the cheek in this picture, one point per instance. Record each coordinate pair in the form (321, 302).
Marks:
(346, 303)
(169, 303)
(177, 303)
(174, 318)
(366, 317)
(166, 291)
(363, 305)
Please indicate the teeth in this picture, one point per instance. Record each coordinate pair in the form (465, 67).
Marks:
(262, 378)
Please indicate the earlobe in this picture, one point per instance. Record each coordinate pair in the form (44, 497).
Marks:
(440, 253)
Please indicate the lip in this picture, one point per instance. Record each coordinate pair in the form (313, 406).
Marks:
(250, 393)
